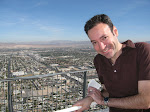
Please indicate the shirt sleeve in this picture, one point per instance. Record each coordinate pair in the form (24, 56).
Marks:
(144, 61)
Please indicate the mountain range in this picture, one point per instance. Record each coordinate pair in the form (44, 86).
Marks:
(49, 44)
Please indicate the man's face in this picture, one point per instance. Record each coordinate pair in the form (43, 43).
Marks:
(104, 41)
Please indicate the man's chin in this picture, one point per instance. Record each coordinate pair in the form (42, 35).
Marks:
(108, 57)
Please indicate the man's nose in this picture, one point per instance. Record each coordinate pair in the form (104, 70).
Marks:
(101, 45)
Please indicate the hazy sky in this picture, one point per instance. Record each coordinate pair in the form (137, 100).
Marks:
(46, 20)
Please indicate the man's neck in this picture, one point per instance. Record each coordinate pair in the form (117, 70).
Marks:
(118, 53)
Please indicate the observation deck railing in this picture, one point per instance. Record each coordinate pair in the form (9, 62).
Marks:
(45, 93)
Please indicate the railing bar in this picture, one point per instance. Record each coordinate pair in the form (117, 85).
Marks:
(78, 85)
(37, 102)
(70, 89)
(20, 92)
(61, 90)
(84, 84)
(57, 94)
(32, 97)
(42, 96)
(47, 94)
(15, 95)
(42, 76)
(52, 93)
(4, 96)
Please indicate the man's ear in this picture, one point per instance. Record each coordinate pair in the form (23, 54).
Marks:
(115, 31)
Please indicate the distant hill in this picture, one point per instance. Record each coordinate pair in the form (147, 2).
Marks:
(55, 42)
(148, 41)
(50, 44)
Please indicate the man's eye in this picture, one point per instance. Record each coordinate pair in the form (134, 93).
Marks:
(104, 38)
(93, 43)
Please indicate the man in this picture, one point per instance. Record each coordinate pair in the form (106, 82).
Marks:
(123, 69)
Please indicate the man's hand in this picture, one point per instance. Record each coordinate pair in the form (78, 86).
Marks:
(96, 95)
(85, 103)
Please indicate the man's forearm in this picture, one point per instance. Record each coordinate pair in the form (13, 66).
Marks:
(132, 102)
(139, 101)
(89, 98)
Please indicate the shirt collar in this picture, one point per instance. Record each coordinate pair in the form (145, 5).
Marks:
(129, 44)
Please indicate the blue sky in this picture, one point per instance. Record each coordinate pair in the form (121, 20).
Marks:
(46, 20)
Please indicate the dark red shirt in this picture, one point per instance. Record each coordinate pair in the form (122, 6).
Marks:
(121, 79)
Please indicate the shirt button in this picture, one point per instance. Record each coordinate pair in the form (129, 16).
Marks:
(115, 70)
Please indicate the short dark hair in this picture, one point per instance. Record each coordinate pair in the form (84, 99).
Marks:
(102, 18)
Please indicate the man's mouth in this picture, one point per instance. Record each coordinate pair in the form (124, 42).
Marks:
(105, 50)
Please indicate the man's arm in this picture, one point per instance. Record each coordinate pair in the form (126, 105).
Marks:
(85, 103)
(139, 101)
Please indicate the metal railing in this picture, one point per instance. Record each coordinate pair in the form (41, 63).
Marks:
(44, 93)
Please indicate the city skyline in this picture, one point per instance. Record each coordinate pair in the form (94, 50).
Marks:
(37, 20)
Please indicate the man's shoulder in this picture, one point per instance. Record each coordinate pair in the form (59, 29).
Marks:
(98, 56)
(143, 49)
(142, 45)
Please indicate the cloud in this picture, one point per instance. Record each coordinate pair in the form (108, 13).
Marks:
(22, 19)
(52, 29)
(132, 5)
(40, 3)
(12, 23)
(48, 28)
(30, 23)
(142, 2)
